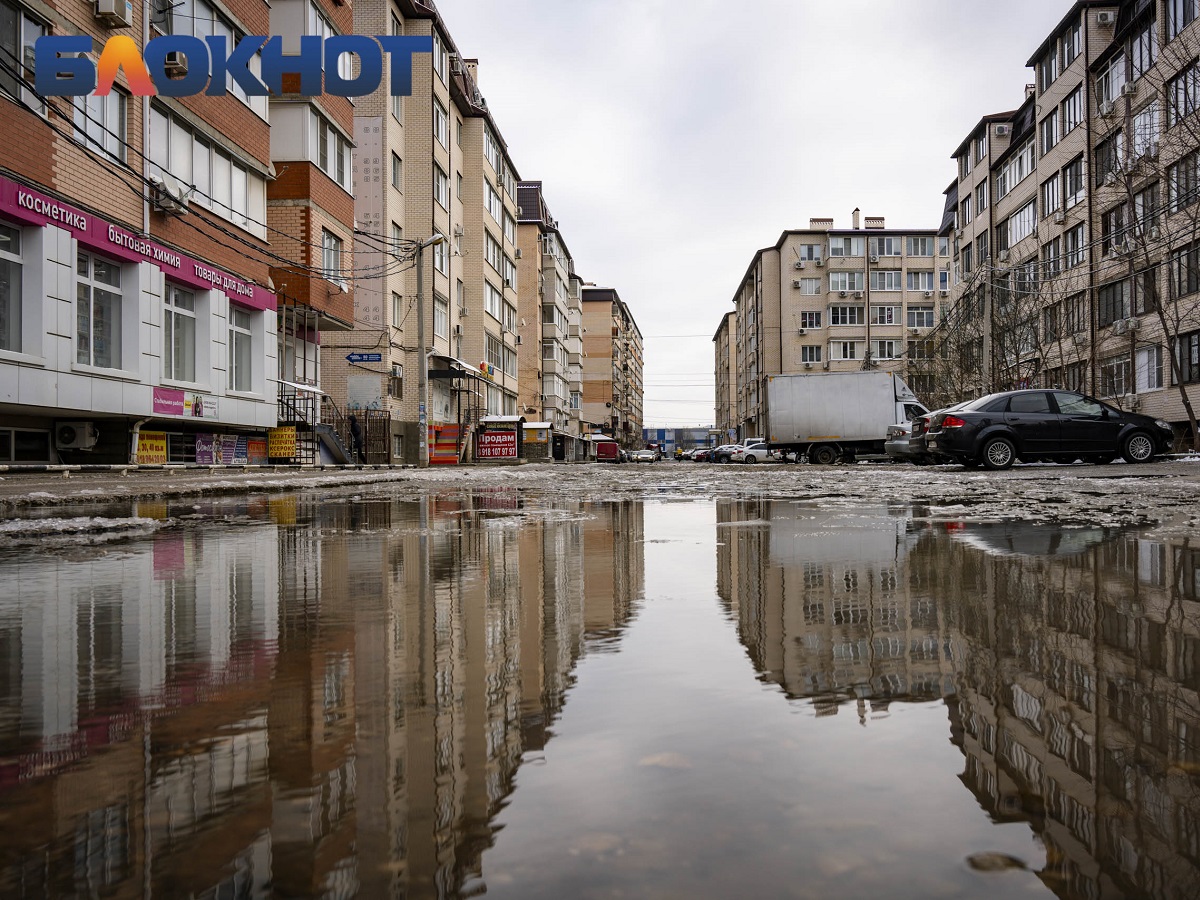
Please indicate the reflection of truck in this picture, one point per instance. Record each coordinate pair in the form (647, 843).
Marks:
(836, 416)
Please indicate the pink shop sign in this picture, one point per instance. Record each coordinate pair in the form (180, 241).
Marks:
(33, 207)
(172, 402)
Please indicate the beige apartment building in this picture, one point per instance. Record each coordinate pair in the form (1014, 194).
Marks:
(1075, 229)
(825, 299)
(550, 362)
(612, 367)
(725, 399)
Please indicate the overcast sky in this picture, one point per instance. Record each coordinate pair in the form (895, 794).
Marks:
(675, 139)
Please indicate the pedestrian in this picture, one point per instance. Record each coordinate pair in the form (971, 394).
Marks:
(356, 437)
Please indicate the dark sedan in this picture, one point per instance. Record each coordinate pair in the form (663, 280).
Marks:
(1056, 426)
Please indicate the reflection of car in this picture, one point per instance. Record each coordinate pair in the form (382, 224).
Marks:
(1034, 425)
(645, 456)
(701, 454)
(752, 453)
(724, 453)
(1027, 539)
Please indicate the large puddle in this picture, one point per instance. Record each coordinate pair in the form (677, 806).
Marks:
(473, 691)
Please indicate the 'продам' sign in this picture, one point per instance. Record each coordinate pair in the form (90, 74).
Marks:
(497, 445)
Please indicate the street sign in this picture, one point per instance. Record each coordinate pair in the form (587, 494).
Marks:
(364, 357)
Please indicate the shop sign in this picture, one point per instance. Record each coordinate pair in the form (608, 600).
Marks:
(222, 449)
(281, 442)
(152, 448)
(497, 445)
(172, 402)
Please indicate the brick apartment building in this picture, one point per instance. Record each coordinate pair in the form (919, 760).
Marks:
(612, 367)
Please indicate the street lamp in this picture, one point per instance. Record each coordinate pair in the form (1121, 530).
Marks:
(422, 354)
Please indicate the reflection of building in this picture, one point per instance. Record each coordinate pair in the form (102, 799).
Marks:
(182, 718)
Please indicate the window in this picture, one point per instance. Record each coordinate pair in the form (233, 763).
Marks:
(809, 252)
(1145, 208)
(943, 246)
(18, 33)
(1112, 303)
(441, 257)
(920, 349)
(887, 246)
(1050, 201)
(1183, 94)
(885, 315)
(944, 280)
(1183, 181)
(396, 392)
(981, 197)
(1018, 226)
(440, 58)
(920, 281)
(97, 312)
(495, 353)
(1189, 357)
(331, 256)
(397, 173)
(441, 316)
(333, 152)
(510, 273)
(1110, 153)
(1149, 369)
(981, 248)
(964, 212)
(981, 146)
(845, 246)
(966, 260)
(458, 185)
(845, 315)
(494, 207)
(887, 280)
(964, 166)
(240, 345)
(1048, 131)
(1047, 69)
(1075, 314)
(1052, 258)
(923, 246)
(887, 349)
(920, 317)
(10, 287)
(510, 228)
(1143, 49)
(1145, 131)
(492, 252)
(100, 122)
(492, 300)
(179, 334)
(810, 320)
(844, 350)
(1013, 172)
(1112, 229)
(810, 286)
(315, 23)
(441, 187)
(1145, 291)
(397, 310)
(491, 150)
(1072, 111)
(1114, 376)
(1071, 44)
(810, 353)
(1180, 14)
(845, 281)
(1110, 81)
(1073, 181)
(1184, 270)
(441, 123)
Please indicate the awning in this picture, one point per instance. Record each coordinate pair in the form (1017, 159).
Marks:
(307, 388)
(458, 368)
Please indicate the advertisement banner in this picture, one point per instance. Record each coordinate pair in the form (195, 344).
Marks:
(256, 451)
(172, 402)
(497, 445)
(152, 448)
(206, 454)
(281, 442)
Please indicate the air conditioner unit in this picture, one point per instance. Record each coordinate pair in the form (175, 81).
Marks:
(842, 293)
(115, 13)
(858, 295)
(820, 262)
(799, 264)
(796, 283)
(458, 330)
(1002, 256)
(1110, 178)
(518, 339)
(801, 331)
(1134, 324)
(1152, 150)
(943, 293)
(1120, 326)
(874, 258)
(808, 365)
(1129, 88)
(1106, 17)
(825, 365)
(169, 195)
(929, 293)
(914, 331)
(1002, 130)
(456, 66)
(462, 310)
(75, 435)
(458, 231)
(1060, 217)
(175, 63)
(517, 253)
(1106, 108)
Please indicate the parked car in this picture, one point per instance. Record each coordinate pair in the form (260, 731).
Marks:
(752, 453)
(645, 456)
(608, 451)
(701, 454)
(1035, 425)
(724, 453)
(906, 441)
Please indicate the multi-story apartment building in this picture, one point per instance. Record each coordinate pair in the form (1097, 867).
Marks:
(725, 399)
(137, 318)
(550, 361)
(827, 299)
(612, 367)
(1075, 230)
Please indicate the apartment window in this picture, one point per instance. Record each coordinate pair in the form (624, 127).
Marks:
(810, 353)
(1145, 291)
(964, 212)
(1183, 181)
(458, 185)
(981, 197)
(1052, 258)
(922, 246)
(887, 349)
(491, 150)
(1073, 181)
(810, 286)
(1025, 278)
(967, 260)
(441, 187)
(494, 206)
(1112, 302)
(397, 310)
(1183, 94)
(1185, 270)
(845, 281)
(1145, 208)
(1071, 44)
(1114, 376)
(510, 273)
(1112, 228)
(943, 246)
(844, 349)
(396, 392)
(845, 315)
(18, 33)
(944, 279)
(331, 256)
(495, 353)
(964, 166)
(1018, 226)
(920, 317)
(97, 312)
(1143, 49)
(10, 287)
(981, 248)
(397, 173)
(333, 152)
(1072, 110)
(981, 146)
(493, 301)
(1073, 248)
(441, 123)
(1111, 80)
(1050, 201)
(1049, 131)
(920, 280)
(100, 122)
(1109, 155)
(1180, 14)
(887, 246)
(441, 316)
(1149, 368)
(885, 315)
(810, 319)
(1145, 130)
(809, 252)
(887, 280)
(440, 58)
(1047, 69)
(1189, 357)
(492, 252)
(179, 334)
(241, 343)
(845, 246)
(1013, 172)
(441, 257)
(1075, 314)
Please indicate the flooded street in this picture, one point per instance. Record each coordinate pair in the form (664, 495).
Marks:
(391, 693)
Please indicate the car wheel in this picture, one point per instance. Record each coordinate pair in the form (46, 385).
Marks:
(824, 455)
(750, 458)
(1138, 448)
(998, 453)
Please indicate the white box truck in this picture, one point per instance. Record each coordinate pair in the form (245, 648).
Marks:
(836, 416)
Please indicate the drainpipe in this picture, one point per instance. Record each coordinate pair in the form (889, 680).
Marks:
(145, 129)
(133, 454)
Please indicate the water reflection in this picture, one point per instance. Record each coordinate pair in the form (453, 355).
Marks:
(311, 697)
(1068, 661)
